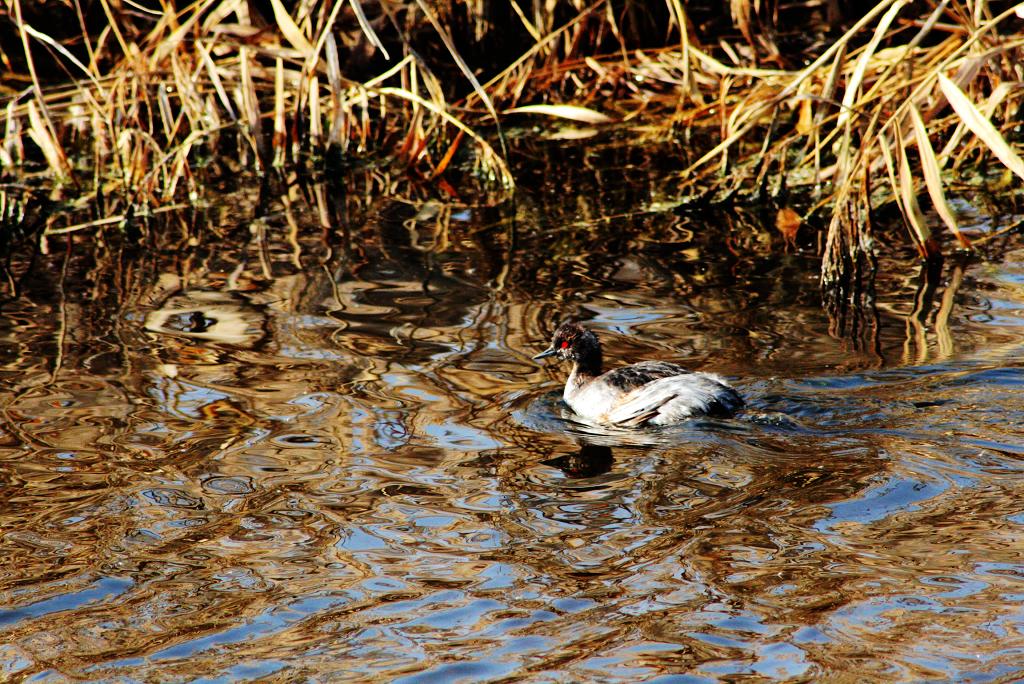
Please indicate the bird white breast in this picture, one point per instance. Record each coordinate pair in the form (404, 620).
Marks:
(591, 400)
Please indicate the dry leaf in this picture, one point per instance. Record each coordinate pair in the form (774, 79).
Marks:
(571, 112)
(805, 124)
(788, 222)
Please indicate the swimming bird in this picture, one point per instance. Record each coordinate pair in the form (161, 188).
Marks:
(645, 393)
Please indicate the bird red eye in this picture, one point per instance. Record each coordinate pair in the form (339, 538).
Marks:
(565, 343)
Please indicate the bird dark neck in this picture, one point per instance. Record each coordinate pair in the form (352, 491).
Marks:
(588, 365)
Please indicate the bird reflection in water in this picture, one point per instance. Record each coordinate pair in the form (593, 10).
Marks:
(591, 460)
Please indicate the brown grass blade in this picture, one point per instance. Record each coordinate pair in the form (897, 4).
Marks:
(504, 175)
(291, 32)
(466, 71)
(334, 137)
(179, 169)
(407, 61)
(530, 28)
(316, 131)
(280, 136)
(113, 23)
(42, 37)
(250, 108)
(367, 29)
(13, 152)
(447, 158)
(981, 126)
(911, 209)
(890, 167)
(167, 44)
(166, 113)
(933, 178)
(571, 112)
(928, 25)
(41, 136)
(41, 129)
(218, 85)
(853, 86)
(679, 13)
(993, 101)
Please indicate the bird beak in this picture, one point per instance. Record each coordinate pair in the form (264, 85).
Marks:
(550, 351)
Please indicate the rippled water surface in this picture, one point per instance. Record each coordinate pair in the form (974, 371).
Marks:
(323, 452)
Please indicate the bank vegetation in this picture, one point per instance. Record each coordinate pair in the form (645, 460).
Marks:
(128, 104)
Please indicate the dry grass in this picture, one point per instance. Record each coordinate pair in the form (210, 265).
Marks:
(889, 110)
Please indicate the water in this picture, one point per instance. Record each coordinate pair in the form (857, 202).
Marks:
(331, 458)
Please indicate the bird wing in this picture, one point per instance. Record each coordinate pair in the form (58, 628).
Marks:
(629, 378)
(676, 398)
